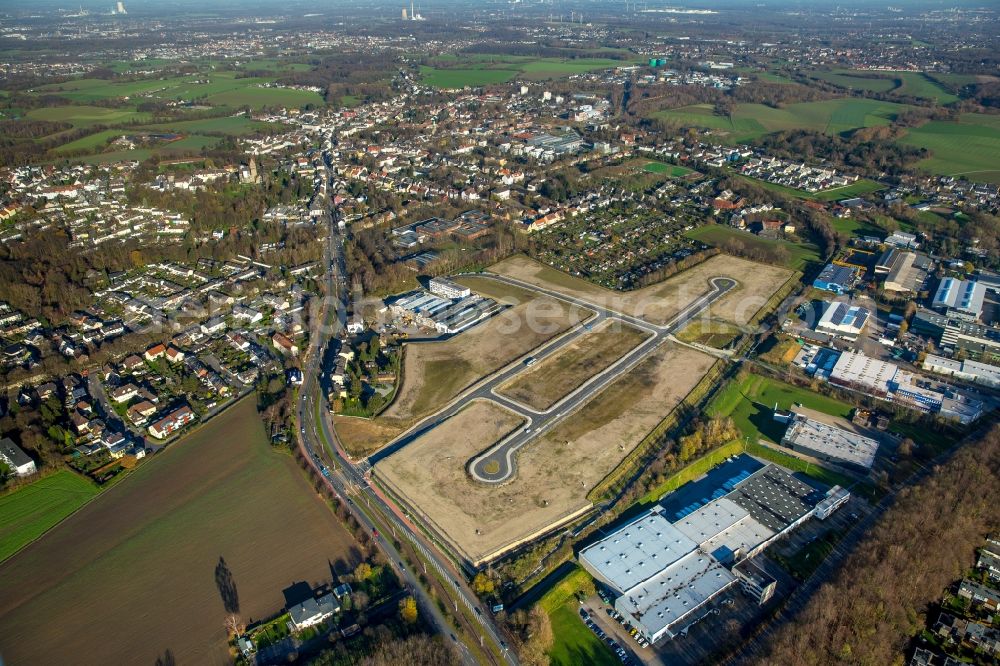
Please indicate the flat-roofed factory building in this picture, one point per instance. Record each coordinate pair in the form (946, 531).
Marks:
(830, 443)
(843, 320)
(665, 574)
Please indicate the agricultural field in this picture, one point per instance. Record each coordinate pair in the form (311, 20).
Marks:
(215, 88)
(544, 384)
(866, 81)
(486, 69)
(554, 472)
(142, 556)
(459, 78)
(29, 512)
(969, 147)
(912, 84)
(660, 302)
(86, 116)
(230, 125)
(752, 121)
(436, 372)
(800, 255)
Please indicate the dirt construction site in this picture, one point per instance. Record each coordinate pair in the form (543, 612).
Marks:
(660, 302)
(555, 473)
(511, 420)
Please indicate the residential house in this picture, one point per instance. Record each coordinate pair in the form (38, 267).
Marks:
(284, 344)
(172, 422)
(15, 458)
(313, 611)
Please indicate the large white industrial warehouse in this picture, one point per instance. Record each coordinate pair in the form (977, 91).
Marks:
(665, 573)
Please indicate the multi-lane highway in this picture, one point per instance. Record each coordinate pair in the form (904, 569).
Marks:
(497, 464)
(318, 442)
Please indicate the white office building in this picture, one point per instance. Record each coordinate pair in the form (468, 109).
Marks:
(447, 289)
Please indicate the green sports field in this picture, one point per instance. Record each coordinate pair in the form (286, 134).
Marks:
(969, 147)
(29, 512)
(751, 121)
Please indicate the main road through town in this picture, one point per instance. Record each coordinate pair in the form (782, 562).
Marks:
(497, 464)
(318, 443)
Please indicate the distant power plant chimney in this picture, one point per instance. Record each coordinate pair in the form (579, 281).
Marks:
(404, 13)
(121, 7)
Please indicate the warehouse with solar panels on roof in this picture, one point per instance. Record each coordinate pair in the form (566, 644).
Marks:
(665, 574)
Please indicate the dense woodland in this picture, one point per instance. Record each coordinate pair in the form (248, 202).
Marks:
(871, 151)
(878, 600)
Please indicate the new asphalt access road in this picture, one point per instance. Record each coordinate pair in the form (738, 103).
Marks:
(496, 465)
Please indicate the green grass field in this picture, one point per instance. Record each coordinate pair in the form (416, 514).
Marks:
(855, 189)
(671, 170)
(231, 125)
(86, 116)
(459, 78)
(917, 84)
(216, 88)
(256, 97)
(853, 80)
(969, 147)
(485, 69)
(91, 142)
(751, 402)
(913, 84)
(29, 512)
(574, 642)
(800, 254)
(751, 121)
(188, 145)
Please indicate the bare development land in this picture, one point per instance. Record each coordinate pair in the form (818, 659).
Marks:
(546, 383)
(554, 473)
(436, 372)
(141, 557)
(660, 302)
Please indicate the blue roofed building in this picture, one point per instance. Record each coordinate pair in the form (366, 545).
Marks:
(837, 279)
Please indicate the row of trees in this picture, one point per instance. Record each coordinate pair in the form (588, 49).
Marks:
(875, 604)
